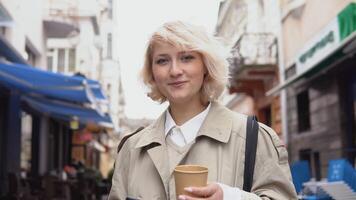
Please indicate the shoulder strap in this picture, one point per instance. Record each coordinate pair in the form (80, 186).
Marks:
(123, 140)
(250, 152)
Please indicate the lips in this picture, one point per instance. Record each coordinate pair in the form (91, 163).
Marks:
(177, 83)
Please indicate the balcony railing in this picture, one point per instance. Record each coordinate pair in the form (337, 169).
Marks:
(62, 8)
(73, 8)
(254, 49)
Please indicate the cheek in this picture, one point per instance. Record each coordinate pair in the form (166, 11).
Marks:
(156, 74)
(200, 74)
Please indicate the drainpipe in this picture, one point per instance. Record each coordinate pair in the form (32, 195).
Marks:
(281, 67)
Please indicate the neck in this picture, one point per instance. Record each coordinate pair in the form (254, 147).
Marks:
(185, 111)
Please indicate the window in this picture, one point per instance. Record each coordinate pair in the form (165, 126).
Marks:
(313, 158)
(61, 60)
(265, 116)
(50, 63)
(317, 165)
(110, 9)
(30, 56)
(71, 62)
(303, 111)
(305, 154)
(109, 46)
(108, 89)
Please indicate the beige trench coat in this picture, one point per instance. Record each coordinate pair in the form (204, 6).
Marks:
(142, 172)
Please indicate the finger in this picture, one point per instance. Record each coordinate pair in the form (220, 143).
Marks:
(186, 197)
(206, 191)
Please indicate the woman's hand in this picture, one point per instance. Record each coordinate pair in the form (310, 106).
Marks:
(211, 191)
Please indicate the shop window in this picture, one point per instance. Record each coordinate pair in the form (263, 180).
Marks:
(305, 154)
(303, 111)
(313, 158)
(26, 141)
(317, 165)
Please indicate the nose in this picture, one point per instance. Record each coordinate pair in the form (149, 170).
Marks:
(175, 69)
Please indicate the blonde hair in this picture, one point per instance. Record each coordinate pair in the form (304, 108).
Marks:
(193, 38)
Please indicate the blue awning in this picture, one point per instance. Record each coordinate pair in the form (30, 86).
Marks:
(9, 52)
(29, 80)
(67, 111)
(96, 89)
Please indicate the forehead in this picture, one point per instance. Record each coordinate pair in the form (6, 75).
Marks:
(166, 48)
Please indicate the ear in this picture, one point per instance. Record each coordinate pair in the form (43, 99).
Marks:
(205, 71)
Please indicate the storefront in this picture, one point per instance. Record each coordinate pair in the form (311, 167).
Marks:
(56, 105)
(9, 113)
(320, 85)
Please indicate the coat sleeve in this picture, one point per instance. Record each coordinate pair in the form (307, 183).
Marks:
(272, 176)
(119, 186)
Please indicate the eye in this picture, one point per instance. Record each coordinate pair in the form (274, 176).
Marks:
(161, 61)
(187, 58)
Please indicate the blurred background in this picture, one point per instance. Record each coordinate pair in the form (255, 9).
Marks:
(69, 88)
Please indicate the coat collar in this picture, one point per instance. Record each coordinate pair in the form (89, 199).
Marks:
(153, 133)
(217, 125)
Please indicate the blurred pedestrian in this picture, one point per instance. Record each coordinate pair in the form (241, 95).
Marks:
(187, 67)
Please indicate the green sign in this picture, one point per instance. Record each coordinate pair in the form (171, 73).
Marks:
(327, 40)
(347, 21)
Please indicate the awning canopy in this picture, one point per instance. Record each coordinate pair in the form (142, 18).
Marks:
(32, 81)
(96, 90)
(59, 96)
(331, 46)
(9, 52)
(66, 111)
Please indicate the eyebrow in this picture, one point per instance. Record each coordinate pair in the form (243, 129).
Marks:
(180, 52)
(163, 55)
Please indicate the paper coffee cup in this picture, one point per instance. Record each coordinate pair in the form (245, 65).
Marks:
(189, 175)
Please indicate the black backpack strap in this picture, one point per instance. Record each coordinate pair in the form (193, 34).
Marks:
(250, 151)
(123, 140)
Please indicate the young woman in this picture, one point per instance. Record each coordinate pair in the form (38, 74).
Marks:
(186, 67)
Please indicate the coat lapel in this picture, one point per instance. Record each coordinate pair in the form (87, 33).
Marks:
(154, 141)
(159, 158)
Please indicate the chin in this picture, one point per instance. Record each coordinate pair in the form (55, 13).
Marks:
(178, 99)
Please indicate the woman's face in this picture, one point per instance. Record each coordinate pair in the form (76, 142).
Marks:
(178, 74)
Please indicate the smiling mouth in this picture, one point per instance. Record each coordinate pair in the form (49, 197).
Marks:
(177, 83)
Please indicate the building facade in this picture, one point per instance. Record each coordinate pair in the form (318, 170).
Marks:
(21, 41)
(250, 30)
(41, 111)
(319, 79)
(82, 38)
(87, 45)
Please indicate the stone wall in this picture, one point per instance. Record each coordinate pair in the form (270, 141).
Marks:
(324, 135)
